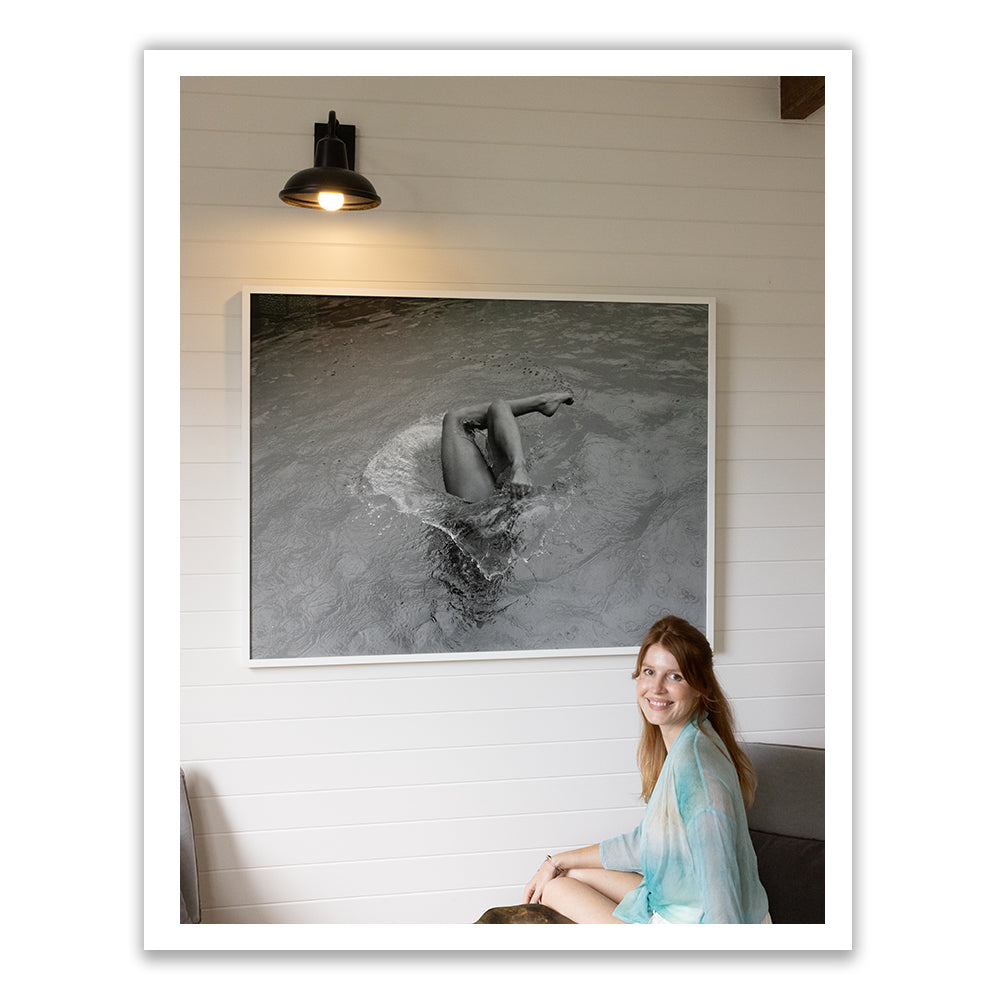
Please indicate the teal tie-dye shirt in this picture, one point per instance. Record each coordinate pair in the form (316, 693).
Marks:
(692, 847)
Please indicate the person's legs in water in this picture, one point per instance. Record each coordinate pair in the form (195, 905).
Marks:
(466, 472)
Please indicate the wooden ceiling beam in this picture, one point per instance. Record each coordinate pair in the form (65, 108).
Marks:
(801, 96)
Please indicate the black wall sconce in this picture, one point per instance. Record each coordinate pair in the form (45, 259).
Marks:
(331, 183)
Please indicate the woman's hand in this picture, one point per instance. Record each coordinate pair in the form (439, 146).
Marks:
(545, 874)
(560, 864)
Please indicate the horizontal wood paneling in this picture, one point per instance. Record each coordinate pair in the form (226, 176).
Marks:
(214, 556)
(392, 696)
(768, 409)
(222, 225)
(539, 198)
(771, 475)
(803, 442)
(769, 577)
(378, 804)
(206, 443)
(490, 834)
(769, 375)
(204, 294)
(369, 878)
(773, 611)
(218, 779)
(371, 265)
(496, 116)
(769, 341)
(426, 792)
(770, 510)
(430, 729)
(701, 97)
(223, 480)
(211, 592)
(653, 163)
(209, 517)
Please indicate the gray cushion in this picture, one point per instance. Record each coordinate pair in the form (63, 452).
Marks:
(790, 795)
(792, 871)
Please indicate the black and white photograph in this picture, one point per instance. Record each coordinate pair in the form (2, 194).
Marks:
(456, 475)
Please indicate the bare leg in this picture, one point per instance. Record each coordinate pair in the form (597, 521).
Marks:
(546, 403)
(589, 895)
(503, 441)
(466, 473)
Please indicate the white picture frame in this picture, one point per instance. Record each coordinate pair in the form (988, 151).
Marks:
(329, 561)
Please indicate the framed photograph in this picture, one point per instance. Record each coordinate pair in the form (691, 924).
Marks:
(439, 476)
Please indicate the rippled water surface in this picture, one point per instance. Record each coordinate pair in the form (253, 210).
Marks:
(358, 551)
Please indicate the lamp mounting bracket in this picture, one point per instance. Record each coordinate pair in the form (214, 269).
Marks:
(346, 133)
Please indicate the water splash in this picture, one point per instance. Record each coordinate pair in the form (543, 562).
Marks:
(474, 548)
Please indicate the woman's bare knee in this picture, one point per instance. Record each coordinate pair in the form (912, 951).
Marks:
(558, 889)
(497, 407)
(582, 903)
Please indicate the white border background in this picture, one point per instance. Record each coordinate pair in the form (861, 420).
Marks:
(924, 163)
(161, 597)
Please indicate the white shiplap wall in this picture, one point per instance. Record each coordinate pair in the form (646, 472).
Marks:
(428, 792)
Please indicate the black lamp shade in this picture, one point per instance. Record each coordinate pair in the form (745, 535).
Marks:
(330, 174)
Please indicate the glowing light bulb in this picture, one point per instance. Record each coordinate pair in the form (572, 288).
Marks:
(330, 200)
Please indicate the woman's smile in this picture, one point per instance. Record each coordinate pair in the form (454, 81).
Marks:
(659, 703)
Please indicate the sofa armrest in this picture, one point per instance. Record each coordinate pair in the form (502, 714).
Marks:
(190, 911)
(787, 827)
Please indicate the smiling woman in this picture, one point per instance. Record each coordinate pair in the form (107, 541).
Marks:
(691, 860)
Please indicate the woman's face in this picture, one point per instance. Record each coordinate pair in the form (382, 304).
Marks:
(665, 698)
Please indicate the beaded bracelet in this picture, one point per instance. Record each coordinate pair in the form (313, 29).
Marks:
(548, 857)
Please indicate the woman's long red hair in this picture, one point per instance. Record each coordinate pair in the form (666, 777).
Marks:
(694, 656)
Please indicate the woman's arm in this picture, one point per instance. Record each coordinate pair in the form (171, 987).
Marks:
(716, 867)
(580, 857)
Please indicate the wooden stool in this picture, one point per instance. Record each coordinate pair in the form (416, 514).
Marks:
(526, 913)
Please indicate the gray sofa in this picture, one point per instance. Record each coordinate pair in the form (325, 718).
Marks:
(190, 898)
(787, 826)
